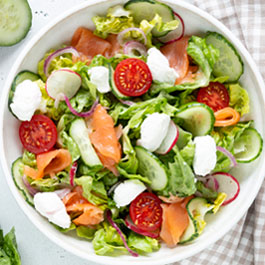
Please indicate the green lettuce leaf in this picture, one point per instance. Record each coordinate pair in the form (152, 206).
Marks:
(188, 152)
(29, 159)
(70, 145)
(86, 232)
(125, 174)
(142, 244)
(8, 249)
(107, 241)
(93, 191)
(239, 99)
(204, 56)
(111, 23)
(206, 192)
(180, 177)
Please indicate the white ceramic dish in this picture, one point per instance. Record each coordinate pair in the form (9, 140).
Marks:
(250, 176)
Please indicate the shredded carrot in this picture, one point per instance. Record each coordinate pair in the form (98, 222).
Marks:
(226, 117)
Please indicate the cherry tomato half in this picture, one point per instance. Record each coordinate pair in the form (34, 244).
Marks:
(38, 135)
(146, 212)
(215, 96)
(132, 77)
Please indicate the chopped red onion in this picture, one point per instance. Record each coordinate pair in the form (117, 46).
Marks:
(122, 33)
(131, 46)
(32, 191)
(228, 154)
(134, 254)
(212, 183)
(81, 114)
(72, 173)
(129, 223)
(175, 34)
(57, 53)
(127, 102)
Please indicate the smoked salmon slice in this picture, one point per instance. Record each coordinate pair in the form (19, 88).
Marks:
(76, 204)
(175, 221)
(115, 46)
(49, 163)
(176, 53)
(89, 44)
(103, 136)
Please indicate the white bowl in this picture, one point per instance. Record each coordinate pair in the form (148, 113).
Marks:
(250, 176)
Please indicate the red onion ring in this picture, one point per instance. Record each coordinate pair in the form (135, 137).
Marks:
(130, 46)
(81, 114)
(228, 154)
(171, 36)
(127, 102)
(212, 183)
(134, 254)
(72, 173)
(62, 192)
(32, 191)
(129, 223)
(122, 33)
(57, 53)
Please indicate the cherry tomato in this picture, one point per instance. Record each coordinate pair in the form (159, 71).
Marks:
(38, 135)
(132, 77)
(146, 212)
(215, 95)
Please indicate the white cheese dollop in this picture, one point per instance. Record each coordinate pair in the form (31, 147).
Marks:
(127, 191)
(153, 131)
(26, 100)
(51, 206)
(205, 155)
(159, 67)
(99, 76)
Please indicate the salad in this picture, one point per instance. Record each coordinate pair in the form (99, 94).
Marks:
(130, 131)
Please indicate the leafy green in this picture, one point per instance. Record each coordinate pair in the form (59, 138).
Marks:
(70, 145)
(125, 174)
(206, 192)
(93, 191)
(107, 241)
(29, 159)
(142, 244)
(188, 152)
(204, 56)
(111, 23)
(184, 138)
(181, 177)
(239, 99)
(86, 232)
(8, 249)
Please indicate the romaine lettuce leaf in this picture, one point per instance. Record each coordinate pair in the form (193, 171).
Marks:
(181, 179)
(93, 191)
(70, 145)
(29, 159)
(142, 244)
(86, 232)
(8, 249)
(125, 174)
(239, 99)
(107, 241)
(206, 192)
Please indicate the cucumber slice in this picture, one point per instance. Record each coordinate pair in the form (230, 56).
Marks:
(147, 9)
(17, 177)
(80, 134)
(197, 209)
(197, 118)
(113, 87)
(15, 21)
(151, 167)
(229, 62)
(20, 77)
(248, 146)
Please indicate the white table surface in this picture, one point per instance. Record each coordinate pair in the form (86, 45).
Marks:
(34, 247)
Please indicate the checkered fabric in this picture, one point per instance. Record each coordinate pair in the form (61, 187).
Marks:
(245, 243)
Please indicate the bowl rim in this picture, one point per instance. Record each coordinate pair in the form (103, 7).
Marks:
(25, 208)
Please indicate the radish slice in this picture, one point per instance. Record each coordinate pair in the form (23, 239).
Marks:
(212, 183)
(169, 140)
(81, 114)
(227, 184)
(63, 81)
(57, 53)
(176, 34)
(121, 35)
(131, 47)
(72, 173)
(129, 223)
(134, 254)
(228, 154)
